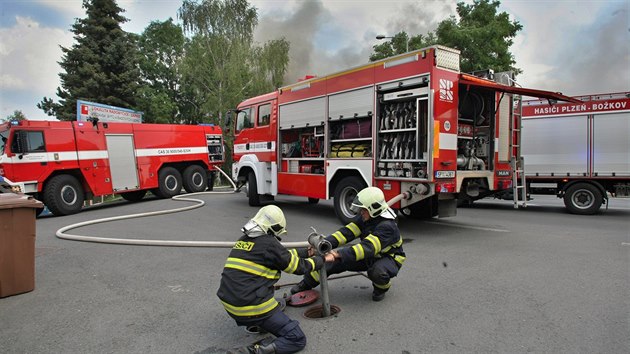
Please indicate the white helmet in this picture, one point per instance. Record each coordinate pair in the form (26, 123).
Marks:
(373, 200)
(270, 219)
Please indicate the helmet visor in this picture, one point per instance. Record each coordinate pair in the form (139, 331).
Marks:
(356, 205)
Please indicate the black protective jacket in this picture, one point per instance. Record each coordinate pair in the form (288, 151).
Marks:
(251, 270)
(379, 237)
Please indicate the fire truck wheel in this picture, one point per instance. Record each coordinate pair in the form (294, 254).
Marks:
(252, 190)
(169, 183)
(345, 192)
(583, 199)
(63, 195)
(134, 196)
(195, 179)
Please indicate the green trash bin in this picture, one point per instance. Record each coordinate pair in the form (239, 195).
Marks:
(17, 243)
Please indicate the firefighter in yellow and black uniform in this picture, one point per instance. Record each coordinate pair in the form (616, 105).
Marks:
(379, 251)
(247, 282)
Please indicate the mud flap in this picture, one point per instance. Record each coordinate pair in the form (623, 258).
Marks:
(447, 207)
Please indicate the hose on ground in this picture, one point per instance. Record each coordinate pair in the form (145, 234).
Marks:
(62, 232)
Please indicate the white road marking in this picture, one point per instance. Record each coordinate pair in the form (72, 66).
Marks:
(625, 243)
(467, 226)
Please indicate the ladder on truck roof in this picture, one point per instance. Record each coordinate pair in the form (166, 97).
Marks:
(517, 161)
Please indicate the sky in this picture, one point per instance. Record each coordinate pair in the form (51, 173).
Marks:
(576, 47)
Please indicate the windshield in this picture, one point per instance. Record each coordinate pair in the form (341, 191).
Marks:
(4, 135)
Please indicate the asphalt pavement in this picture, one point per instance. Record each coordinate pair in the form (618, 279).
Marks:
(490, 280)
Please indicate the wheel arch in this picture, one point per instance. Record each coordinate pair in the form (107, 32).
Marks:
(76, 173)
(344, 173)
(181, 165)
(338, 170)
(250, 163)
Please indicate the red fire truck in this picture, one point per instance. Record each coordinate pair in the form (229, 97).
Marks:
(578, 151)
(412, 125)
(63, 163)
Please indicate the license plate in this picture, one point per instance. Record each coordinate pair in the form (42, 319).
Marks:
(444, 174)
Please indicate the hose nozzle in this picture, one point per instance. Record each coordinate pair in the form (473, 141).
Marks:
(319, 242)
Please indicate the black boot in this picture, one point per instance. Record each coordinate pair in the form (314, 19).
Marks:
(299, 287)
(378, 294)
(262, 349)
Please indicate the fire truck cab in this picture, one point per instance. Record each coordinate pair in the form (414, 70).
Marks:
(412, 125)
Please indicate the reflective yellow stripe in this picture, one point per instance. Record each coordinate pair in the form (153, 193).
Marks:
(252, 310)
(312, 262)
(400, 259)
(358, 251)
(340, 238)
(293, 263)
(252, 268)
(354, 228)
(384, 287)
(376, 242)
(315, 275)
(395, 245)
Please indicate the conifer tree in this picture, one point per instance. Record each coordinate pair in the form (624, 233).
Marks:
(101, 66)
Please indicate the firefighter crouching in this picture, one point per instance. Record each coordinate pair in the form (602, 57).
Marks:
(379, 251)
(247, 282)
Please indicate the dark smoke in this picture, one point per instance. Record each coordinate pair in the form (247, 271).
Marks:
(302, 27)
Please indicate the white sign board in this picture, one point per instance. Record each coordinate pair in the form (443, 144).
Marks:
(105, 113)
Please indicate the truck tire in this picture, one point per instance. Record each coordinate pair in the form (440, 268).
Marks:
(252, 190)
(169, 183)
(63, 195)
(345, 192)
(583, 199)
(195, 179)
(134, 196)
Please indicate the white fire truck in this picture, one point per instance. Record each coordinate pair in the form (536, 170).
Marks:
(63, 163)
(412, 125)
(578, 151)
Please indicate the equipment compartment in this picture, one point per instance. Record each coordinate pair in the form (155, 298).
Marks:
(402, 126)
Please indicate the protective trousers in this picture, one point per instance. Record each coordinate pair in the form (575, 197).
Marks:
(379, 270)
(289, 335)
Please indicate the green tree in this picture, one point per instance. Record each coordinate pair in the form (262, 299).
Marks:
(483, 36)
(161, 48)
(269, 64)
(222, 64)
(399, 43)
(100, 67)
(215, 63)
(16, 115)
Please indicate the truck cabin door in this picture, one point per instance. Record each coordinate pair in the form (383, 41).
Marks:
(254, 132)
(29, 156)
